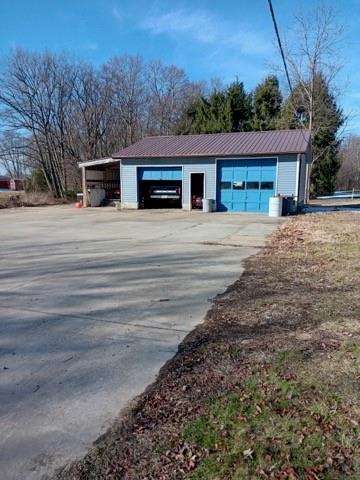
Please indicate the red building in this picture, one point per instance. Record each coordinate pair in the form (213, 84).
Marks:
(15, 184)
(5, 183)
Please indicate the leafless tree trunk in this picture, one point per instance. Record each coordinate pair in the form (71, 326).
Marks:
(13, 154)
(349, 174)
(169, 91)
(311, 49)
(125, 86)
(34, 92)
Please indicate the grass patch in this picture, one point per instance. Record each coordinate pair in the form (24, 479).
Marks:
(281, 424)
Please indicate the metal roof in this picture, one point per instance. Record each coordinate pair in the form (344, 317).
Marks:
(219, 144)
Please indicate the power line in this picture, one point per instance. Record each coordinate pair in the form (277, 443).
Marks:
(280, 44)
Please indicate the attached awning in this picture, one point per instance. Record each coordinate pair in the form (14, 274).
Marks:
(100, 161)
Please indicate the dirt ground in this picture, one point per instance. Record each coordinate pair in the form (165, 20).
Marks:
(268, 386)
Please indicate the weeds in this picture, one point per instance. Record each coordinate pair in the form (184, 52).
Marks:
(279, 425)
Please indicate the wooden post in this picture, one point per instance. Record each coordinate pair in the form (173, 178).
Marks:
(84, 188)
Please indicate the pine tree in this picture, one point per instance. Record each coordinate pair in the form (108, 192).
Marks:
(327, 118)
(226, 110)
(220, 113)
(239, 106)
(267, 101)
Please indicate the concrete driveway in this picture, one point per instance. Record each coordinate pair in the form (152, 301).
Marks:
(92, 303)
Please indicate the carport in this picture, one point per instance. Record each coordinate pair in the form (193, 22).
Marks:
(100, 181)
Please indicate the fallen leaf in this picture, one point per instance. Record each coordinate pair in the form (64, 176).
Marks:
(248, 453)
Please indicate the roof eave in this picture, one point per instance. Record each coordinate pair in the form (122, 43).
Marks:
(209, 155)
(101, 161)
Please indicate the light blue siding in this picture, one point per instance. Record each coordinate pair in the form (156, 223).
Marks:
(285, 176)
(129, 175)
(128, 182)
(287, 173)
(206, 166)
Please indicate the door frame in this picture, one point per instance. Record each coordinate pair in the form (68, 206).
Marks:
(160, 166)
(204, 185)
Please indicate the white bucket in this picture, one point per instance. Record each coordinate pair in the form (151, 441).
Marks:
(208, 205)
(275, 206)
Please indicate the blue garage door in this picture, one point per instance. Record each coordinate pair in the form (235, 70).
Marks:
(245, 185)
(160, 173)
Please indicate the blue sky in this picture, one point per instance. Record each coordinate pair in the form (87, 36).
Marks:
(224, 39)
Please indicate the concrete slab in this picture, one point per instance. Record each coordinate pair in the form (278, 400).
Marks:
(92, 303)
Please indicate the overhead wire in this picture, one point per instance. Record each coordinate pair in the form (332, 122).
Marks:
(280, 45)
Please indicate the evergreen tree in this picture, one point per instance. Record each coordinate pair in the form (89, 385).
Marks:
(239, 106)
(227, 110)
(219, 118)
(267, 104)
(206, 115)
(327, 118)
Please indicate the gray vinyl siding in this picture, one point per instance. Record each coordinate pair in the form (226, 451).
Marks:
(189, 165)
(287, 174)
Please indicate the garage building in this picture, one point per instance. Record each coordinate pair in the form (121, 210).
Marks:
(239, 171)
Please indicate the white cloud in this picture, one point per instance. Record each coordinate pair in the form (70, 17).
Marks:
(198, 25)
(116, 13)
(203, 27)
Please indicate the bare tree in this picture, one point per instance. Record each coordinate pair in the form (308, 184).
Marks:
(169, 91)
(348, 177)
(71, 111)
(86, 119)
(35, 92)
(14, 159)
(312, 49)
(312, 52)
(125, 85)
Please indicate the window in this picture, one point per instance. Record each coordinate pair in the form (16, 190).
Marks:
(225, 185)
(239, 185)
(252, 185)
(267, 185)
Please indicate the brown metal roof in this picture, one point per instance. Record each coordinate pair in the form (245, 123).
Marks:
(219, 144)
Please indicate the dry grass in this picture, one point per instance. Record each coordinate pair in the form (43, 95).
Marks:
(335, 202)
(22, 199)
(268, 385)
